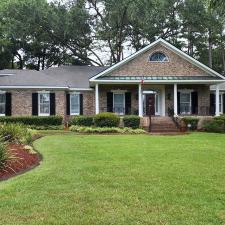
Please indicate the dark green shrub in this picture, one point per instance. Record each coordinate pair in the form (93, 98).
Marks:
(215, 126)
(131, 121)
(86, 121)
(47, 127)
(33, 120)
(106, 119)
(191, 122)
(4, 155)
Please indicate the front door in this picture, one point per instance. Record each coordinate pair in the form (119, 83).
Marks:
(150, 104)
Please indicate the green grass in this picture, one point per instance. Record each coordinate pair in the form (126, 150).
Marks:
(120, 180)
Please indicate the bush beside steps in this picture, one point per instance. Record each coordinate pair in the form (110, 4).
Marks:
(106, 130)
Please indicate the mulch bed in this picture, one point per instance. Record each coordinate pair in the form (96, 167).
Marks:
(24, 161)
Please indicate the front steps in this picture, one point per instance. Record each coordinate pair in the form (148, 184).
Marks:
(160, 125)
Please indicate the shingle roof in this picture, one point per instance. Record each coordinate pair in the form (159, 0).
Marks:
(63, 76)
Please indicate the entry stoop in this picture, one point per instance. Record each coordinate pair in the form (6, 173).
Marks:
(160, 125)
(163, 125)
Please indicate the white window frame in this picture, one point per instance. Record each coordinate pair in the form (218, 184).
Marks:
(3, 92)
(75, 114)
(190, 104)
(124, 103)
(39, 108)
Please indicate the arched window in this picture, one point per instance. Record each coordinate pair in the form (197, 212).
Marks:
(158, 57)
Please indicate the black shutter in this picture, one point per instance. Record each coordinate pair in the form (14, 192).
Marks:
(8, 104)
(68, 104)
(127, 103)
(223, 103)
(212, 104)
(81, 104)
(178, 102)
(34, 104)
(109, 102)
(194, 103)
(52, 104)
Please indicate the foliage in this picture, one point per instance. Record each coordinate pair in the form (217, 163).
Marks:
(107, 130)
(106, 119)
(82, 121)
(33, 120)
(4, 155)
(15, 133)
(46, 127)
(38, 34)
(215, 126)
(192, 122)
(131, 121)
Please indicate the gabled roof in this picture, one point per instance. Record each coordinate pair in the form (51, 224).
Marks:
(167, 45)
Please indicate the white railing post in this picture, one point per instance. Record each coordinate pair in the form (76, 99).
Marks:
(217, 100)
(175, 100)
(140, 101)
(96, 99)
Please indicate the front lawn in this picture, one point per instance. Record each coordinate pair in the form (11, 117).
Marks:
(120, 180)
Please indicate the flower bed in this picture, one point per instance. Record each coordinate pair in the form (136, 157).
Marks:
(24, 160)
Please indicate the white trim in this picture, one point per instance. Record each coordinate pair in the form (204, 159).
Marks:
(96, 99)
(175, 99)
(217, 113)
(81, 89)
(167, 45)
(32, 87)
(75, 114)
(118, 91)
(163, 101)
(158, 81)
(43, 114)
(140, 101)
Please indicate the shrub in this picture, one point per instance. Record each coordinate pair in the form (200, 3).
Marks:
(131, 121)
(33, 120)
(86, 121)
(4, 155)
(106, 119)
(215, 126)
(15, 133)
(46, 127)
(192, 122)
(102, 130)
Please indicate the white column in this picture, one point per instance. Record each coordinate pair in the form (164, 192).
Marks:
(163, 113)
(217, 100)
(175, 100)
(140, 101)
(96, 99)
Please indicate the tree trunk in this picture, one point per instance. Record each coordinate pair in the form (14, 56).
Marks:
(210, 48)
(223, 60)
(20, 61)
(39, 63)
(12, 62)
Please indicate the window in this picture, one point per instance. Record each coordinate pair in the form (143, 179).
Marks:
(185, 103)
(2, 104)
(44, 104)
(158, 57)
(119, 103)
(75, 104)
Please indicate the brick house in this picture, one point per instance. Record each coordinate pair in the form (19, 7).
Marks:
(158, 80)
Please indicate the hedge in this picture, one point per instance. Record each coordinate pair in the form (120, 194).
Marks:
(33, 120)
(215, 126)
(106, 119)
(106, 130)
(131, 121)
(86, 121)
(192, 121)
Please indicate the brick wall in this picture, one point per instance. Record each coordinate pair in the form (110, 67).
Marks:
(21, 103)
(176, 66)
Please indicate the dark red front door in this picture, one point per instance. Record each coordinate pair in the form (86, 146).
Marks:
(150, 104)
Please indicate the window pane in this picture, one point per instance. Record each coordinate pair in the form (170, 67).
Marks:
(44, 103)
(185, 97)
(2, 103)
(119, 103)
(158, 57)
(185, 103)
(75, 104)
